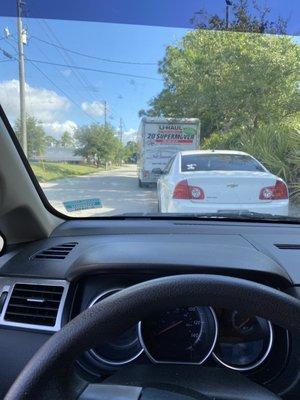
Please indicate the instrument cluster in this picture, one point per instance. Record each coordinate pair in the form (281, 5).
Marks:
(191, 335)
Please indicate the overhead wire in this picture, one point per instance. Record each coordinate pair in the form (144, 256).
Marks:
(68, 59)
(61, 75)
(51, 35)
(59, 89)
(6, 53)
(108, 60)
(47, 30)
(85, 83)
(6, 60)
(11, 45)
(13, 58)
(98, 70)
(73, 66)
(53, 83)
(45, 76)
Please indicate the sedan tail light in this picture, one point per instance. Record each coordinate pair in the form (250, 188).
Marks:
(277, 192)
(183, 191)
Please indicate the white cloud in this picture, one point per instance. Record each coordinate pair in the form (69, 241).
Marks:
(94, 109)
(56, 128)
(129, 135)
(66, 72)
(45, 105)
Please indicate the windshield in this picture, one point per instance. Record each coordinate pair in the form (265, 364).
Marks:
(219, 162)
(114, 103)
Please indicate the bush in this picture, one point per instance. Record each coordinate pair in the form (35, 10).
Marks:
(222, 141)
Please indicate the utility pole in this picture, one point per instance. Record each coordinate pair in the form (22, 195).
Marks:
(21, 42)
(121, 130)
(105, 112)
(228, 4)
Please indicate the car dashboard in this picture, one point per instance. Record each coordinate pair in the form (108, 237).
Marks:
(45, 284)
(195, 335)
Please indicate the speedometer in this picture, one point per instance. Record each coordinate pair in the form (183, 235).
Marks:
(182, 335)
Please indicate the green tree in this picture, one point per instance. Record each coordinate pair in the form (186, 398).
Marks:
(118, 151)
(51, 141)
(242, 19)
(130, 151)
(98, 144)
(67, 140)
(36, 137)
(229, 79)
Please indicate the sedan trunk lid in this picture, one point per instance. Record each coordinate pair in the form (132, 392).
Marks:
(231, 187)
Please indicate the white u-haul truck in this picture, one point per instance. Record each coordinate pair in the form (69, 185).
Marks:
(161, 138)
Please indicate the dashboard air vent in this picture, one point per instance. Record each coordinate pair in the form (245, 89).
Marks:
(58, 252)
(283, 246)
(34, 304)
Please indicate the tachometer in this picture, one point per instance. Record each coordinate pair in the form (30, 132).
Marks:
(244, 341)
(182, 335)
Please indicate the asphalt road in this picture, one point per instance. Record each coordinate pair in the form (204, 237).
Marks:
(117, 189)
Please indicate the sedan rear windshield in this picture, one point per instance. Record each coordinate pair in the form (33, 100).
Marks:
(219, 162)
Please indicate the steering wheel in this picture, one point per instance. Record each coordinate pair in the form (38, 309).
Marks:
(51, 373)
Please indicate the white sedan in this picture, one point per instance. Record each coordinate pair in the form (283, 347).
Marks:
(202, 182)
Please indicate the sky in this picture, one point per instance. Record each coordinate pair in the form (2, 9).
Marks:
(64, 97)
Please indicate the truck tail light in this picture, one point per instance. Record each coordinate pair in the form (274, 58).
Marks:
(277, 192)
(146, 174)
(183, 191)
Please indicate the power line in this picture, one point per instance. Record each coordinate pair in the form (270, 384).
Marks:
(52, 82)
(7, 60)
(121, 130)
(12, 46)
(7, 54)
(47, 30)
(81, 78)
(94, 57)
(65, 78)
(96, 70)
(61, 90)
(113, 112)
(86, 85)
